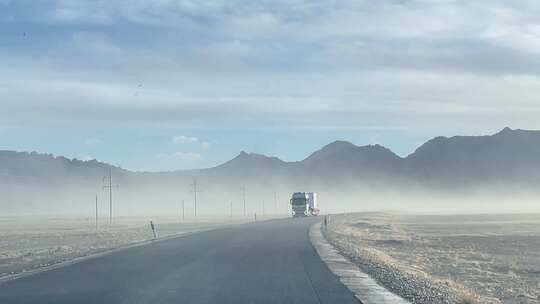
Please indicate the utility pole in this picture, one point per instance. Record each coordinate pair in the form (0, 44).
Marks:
(195, 191)
(275, 202)
(244, 198)
(195, 195)
(183, 211)
(110, 196)
(110, 187)
(96, 215)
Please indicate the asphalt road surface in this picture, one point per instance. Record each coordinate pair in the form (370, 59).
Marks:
(264, 262)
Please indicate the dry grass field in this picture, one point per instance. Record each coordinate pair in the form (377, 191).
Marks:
(474, 258)
(30, 243)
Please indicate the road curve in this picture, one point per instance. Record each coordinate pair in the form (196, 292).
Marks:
(264, 262)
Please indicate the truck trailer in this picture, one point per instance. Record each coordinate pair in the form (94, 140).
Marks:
(304, 204)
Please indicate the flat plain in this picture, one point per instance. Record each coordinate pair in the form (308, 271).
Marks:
(489, 258)
(30, 243)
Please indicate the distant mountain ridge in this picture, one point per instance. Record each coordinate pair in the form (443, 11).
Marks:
(35, 166)
(509, 155)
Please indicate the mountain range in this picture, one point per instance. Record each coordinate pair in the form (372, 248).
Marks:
(508, 158)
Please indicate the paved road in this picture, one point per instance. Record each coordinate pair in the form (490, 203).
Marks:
(265, 262)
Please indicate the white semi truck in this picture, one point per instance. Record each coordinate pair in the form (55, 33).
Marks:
(304, 204)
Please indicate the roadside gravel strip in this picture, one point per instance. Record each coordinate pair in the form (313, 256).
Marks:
(418, 289)
(366, 290)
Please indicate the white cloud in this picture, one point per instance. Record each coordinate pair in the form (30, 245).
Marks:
(181, 139)
(206, 145)
(92, 141)
(95, 43)
(179, 156)
(284, 62)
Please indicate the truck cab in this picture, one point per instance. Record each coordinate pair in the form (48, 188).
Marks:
(304, 204)
(299, 204)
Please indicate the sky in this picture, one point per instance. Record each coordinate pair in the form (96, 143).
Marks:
(173, 84)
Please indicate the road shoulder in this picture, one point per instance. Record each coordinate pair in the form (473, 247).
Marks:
(365, 289)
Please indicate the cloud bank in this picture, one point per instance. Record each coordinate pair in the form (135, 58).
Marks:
(308, 64)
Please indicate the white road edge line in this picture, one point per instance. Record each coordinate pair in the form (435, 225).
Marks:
(365, 289)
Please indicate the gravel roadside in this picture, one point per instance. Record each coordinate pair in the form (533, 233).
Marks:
(416, 287)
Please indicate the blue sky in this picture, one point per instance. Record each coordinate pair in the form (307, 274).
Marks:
(162, 85)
